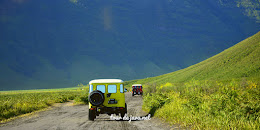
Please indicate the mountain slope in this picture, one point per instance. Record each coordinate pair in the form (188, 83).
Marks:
(239, 61)
(68, 42)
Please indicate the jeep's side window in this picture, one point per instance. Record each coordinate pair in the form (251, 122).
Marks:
(90, 88)
(101, 88)
(121, 88)
(111, 88)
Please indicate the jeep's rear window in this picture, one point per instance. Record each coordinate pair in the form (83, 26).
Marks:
(101, 88)
(121, 88)
(111, 88)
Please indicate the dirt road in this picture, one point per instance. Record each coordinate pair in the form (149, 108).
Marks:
(68, 117)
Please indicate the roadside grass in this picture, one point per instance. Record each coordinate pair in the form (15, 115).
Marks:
(15, 103)
(206, 104)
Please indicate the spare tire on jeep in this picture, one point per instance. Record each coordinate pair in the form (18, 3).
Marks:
(96, 98)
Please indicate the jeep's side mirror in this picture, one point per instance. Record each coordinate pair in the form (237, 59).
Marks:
(125, 90)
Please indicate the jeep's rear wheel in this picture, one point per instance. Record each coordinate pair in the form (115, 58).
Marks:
(96, 98)
(91, 115)
(133, 94)
(124, 111)
(122, 115)
(125, 108)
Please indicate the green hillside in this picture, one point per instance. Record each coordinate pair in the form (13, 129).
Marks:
(240, 61)
(221, 92)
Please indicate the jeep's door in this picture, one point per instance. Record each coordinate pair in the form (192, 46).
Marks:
(115, 96)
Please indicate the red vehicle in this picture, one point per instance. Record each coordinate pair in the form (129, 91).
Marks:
(137, 89)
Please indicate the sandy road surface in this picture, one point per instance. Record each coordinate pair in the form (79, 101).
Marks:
(68, 117)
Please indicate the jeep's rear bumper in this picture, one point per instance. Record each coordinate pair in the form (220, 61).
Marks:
(109, 110)
(137, 93)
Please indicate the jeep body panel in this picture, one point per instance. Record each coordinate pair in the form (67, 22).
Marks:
(115, 99)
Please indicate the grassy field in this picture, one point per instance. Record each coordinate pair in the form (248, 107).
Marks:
(15, 103)
(207, 104)
(221, 92)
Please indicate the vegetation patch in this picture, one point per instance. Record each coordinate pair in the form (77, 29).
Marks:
(15, 103)
(206, 105)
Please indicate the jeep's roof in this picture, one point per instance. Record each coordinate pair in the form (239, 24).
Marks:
(137, 85)
(106, 81)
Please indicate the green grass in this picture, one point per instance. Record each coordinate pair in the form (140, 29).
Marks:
(15, 103)
(221, 92)
(206, 105)
(38, 90)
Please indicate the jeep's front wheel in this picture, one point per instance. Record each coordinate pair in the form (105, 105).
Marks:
(91, 115)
